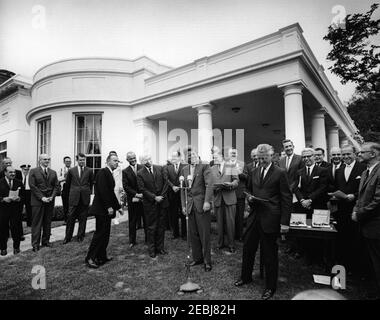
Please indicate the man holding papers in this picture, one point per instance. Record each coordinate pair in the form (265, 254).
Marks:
(267, 218)
(11, 197)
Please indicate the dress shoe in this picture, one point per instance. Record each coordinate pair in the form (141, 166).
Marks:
(208, 267)
(267, 294)
(3, 252)
(80, 239)
(36, 248)
(195, 263)
(91, 264)
(16, 251)
(162, 252)
(47, 245)
(240, 282)
(66, 241)
(103, 261)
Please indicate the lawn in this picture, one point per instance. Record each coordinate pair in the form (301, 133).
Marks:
(132, 274)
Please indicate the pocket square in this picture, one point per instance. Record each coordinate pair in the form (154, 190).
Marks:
(358, 177)
(316, 177)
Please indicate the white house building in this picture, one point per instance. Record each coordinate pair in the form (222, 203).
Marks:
(259, 92)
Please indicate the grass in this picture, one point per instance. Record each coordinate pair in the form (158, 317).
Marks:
(132, 274)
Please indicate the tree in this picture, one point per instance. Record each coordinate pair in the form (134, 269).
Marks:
(357, 59)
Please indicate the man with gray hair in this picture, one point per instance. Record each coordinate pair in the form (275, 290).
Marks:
(44, 187)
(367, 209)
(271, 201)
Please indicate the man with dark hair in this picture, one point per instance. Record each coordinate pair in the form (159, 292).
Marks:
(25, 181)
(319, 155)
(79, 182)
(7, 162)
(134, 198)
(64, 191)
(10, 210)
(172, 173)
(291, 162)
(367, 208)
(44, 187)
(104, 206)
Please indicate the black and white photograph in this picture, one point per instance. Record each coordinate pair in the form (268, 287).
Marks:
(166, 151)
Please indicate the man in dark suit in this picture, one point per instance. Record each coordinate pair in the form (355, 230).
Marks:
(225, 180)
(44, 187)
(7, 162)
(151, 183)
(197, 179)
(64, 189)
(242, 172)
(79, 182)
(134, 198)
(172, 173)
(336, 162)
(10, 210)
(367, 208)
(25, 181)
(347, 179)
(319, 155)
(104, 207)
(311, 189)
(266, 220)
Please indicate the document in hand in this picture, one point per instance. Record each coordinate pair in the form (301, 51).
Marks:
(13, 194)
(338, 194)
(134, 199)
(255, 198)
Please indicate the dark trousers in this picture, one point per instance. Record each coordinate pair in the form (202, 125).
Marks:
(268, 241)
(199, 232)
(175, 213)
(10, 219)
(100, 239)
(155, 226)
(41, 221)
(373, 246)
(225, 216)
(135, 213)
(65, 201)
(76, 212)
(28, 208)
(239, 218)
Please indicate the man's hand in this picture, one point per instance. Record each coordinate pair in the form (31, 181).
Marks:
(175, 188)
(306, 203)
(110, 211)
(17, 199)
(184, 211)
(159, 199)
(206, 206)
(227, 185)
(7, 199)
(45, 200)
(139, 195)
(350, 197)
(354, 216)
(284, 228)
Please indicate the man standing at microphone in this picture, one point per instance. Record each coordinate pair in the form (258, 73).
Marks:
(196, 177)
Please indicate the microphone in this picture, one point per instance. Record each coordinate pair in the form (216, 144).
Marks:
(189, 179)
(181, 180)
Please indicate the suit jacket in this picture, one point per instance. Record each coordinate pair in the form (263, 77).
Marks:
(201, 188)
(4, 192)
(172, 178)
(79, 188)
(130, 182)
(348, 187)
(18, 174)
(324, 164)
(368, 205)
(104, 194)
(243, 178)
(152, 187)
(331, 177)
(295, 165)
(229, 174)
(275, 188)
(42, 186)
(314, 187)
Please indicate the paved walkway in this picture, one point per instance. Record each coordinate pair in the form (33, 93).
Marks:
(57, 234)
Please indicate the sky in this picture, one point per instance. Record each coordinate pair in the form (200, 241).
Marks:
(34, 33)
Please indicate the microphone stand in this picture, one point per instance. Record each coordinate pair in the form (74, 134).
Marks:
(189, 285)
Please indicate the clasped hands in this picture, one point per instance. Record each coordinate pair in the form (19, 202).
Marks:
(206, 207)
(306, 203)
(46, 199)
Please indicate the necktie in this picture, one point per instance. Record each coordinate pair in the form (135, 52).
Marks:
(335, 167)
(10, 184)
(81, 172)
(262, 175)
(346, 172)
(308, 172)
(24, 183)
(219, 169)
(46, 173)
(287, 163)
(150, 170)
(176, 168)
(366, 176)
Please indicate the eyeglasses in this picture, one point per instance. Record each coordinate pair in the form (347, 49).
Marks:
(304, 157)
(359, 152)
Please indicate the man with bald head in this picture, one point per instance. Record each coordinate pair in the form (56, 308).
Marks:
(7, 162)
(44, 187)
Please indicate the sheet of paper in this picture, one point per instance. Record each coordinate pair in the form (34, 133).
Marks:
(13, 194)
(298, 220)
(326, 280)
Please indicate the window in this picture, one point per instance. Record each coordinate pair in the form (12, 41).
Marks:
(44, 136)
(3, 150)
(89, 139)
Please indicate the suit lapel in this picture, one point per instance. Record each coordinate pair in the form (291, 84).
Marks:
(374, 171)
(269, 173)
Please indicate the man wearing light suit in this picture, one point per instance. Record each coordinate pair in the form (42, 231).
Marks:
(225, 180)
(44, 187)
(199, 197)
(79, 182)
(367, 209)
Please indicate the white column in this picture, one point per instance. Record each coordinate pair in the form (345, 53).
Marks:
(294, 123)
(333, 137)
(145, 139)
(318, 131)
(204, 131)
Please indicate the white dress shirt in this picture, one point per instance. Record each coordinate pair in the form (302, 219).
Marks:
(348, 169)
(288, 161)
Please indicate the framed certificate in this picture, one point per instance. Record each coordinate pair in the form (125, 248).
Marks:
(298, 220)
(321, 219)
